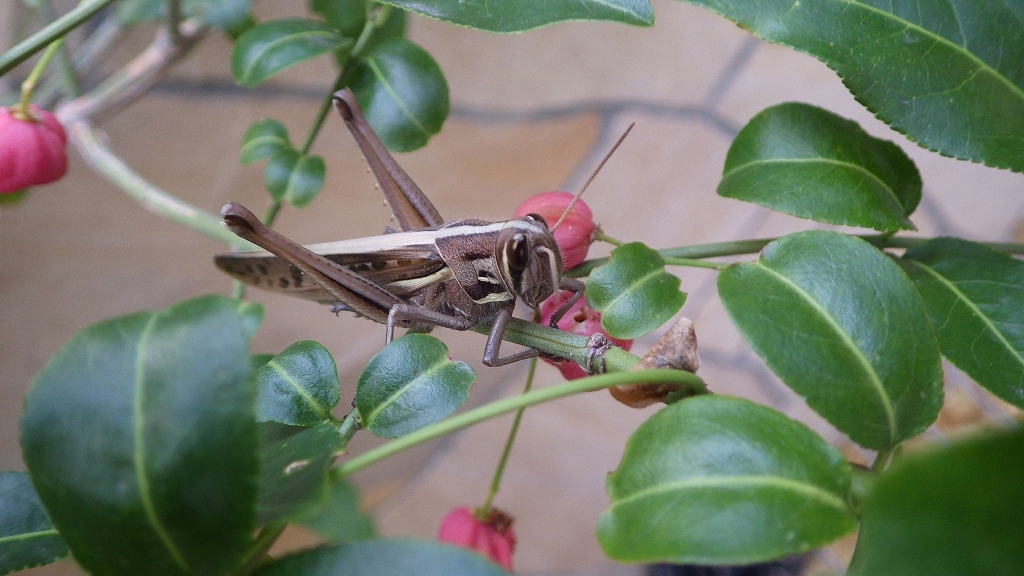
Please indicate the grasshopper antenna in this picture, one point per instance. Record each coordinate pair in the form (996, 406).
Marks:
(592, 176)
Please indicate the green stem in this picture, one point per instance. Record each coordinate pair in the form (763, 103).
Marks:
(61, 26)
(264, 540)
(339, 83)
(600, 235)
(484, 510)
(84, 60)
(694, 263)
(348, 426)
(107, 164)
(68, 76)
(560, 343)
(325, 106)
(716, 249)
(881, 460)
(506, 405)
(321, 114)
(270, 214)
(173, 22)
(29, 85)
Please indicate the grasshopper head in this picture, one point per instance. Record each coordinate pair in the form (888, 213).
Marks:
(528, 259)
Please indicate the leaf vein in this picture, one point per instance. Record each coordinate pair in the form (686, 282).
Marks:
(873, 379)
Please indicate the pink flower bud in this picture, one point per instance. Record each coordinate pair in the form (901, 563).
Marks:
(576, 232)
(579, 319)
(31, 150)
(492, 537)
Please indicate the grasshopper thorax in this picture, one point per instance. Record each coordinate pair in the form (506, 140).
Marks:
(528, 259)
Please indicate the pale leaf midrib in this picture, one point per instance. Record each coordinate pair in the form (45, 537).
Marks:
(752, 481)
(139, 455)
(962, 298)
(963, 50)
(883, 395)
(822, 160)
(310, 400)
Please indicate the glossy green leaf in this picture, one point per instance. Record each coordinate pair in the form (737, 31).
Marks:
(805, 161)
(410, 384)
(220, 13)
(843, 326)
(518, 15)
(346, 16)
(402, 92)
(263, 139)
(298, 387)
(27, 537)
(294, 469)
(950, 511)
(975, 299)
(949, 75)
(293, 177)
(257, 361)
(384, 557)
(633, 292)
(720, 480)
(141, 441)
(340, 519)
(270, 47)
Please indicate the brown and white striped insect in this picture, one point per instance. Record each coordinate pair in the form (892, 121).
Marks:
(453, 275)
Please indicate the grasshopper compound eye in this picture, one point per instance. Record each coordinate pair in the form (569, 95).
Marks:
(519, 252)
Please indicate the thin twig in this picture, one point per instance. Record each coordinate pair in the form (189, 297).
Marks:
(86, 139)
(136, 77)
(36, 42)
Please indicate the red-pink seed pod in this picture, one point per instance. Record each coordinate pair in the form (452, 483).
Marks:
(576, 232)
(492, 537)
(32, 150)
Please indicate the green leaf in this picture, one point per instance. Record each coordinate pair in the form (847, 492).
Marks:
(402, 92)
(263, 139)
(294, 469)
(390, 556)
(270, 47)
(410, 384)
(141, 441)
(633, 292)
(298, 387)
(257, 361)
(293, 177)
(807, 162)
(223, 14)
(720, 480)
(340, 519)
(951, 511)
(946, 74)
(27, 537)
(346, 16)
(518, 15)
(975, 299)
(843, 326)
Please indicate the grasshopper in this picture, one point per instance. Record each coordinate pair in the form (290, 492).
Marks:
(454, 275)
